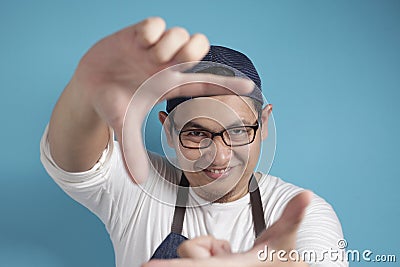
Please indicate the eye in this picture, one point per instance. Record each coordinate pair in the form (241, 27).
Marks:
(237, 131)
(196, 133)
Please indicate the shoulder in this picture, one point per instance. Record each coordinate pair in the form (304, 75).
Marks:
(276, 193)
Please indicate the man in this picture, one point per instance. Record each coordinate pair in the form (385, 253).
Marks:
(217, 141)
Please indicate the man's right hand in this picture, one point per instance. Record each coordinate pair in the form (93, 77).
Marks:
(107, 77)
(116, 66)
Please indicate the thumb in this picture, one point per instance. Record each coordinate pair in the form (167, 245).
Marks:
(282, 234)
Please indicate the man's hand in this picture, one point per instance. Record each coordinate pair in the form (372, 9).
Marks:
(210, 252)
(115, 67)
(204, 247)
(107, 78)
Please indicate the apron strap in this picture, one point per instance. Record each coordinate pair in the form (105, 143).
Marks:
(256, 207)
(180, 205)
(255, 201)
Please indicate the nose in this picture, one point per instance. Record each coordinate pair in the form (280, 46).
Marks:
(222, 153)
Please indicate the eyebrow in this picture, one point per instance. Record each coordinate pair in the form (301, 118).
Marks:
(195, 125)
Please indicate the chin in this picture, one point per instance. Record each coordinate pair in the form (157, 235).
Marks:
(216, 189)
(213, 194)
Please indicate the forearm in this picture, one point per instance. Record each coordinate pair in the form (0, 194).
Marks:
(77, 135)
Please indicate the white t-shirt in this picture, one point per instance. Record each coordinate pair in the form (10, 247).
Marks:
(137, 221)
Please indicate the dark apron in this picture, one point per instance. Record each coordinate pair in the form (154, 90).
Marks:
(168, 248)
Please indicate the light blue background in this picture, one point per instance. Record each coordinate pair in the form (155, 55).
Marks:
(331, 69)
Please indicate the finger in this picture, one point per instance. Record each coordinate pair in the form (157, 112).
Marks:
(149, 31)
(282, 234)
(221, 247)
(133, 151)
(168, 45)
(193, 50)
(203, 247)
(199, 84)
(295, 209)
(134, 154)
(198, 248)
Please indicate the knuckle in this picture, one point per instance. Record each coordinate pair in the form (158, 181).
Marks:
(153, 21)
(147, 28)
(196, 48)
(179, 31)
(200, 36)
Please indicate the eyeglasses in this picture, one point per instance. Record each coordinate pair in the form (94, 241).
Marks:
(234, 136)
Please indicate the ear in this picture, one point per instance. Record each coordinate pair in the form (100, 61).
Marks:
(163, 118)
(264, 120)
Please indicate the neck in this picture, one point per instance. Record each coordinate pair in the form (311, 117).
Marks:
(233, 195)
(237, 192)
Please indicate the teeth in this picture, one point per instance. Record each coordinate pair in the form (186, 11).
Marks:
(218, 171)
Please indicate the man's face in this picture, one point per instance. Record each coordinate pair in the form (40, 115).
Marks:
(218, 171)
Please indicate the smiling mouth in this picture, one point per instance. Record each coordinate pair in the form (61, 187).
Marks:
(217, 173)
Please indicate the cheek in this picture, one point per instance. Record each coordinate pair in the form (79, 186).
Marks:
(249, 157)
(188, 154)
(255, 150)
(183, 153)
(242, 155)
(249, 151)
(187, 158)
